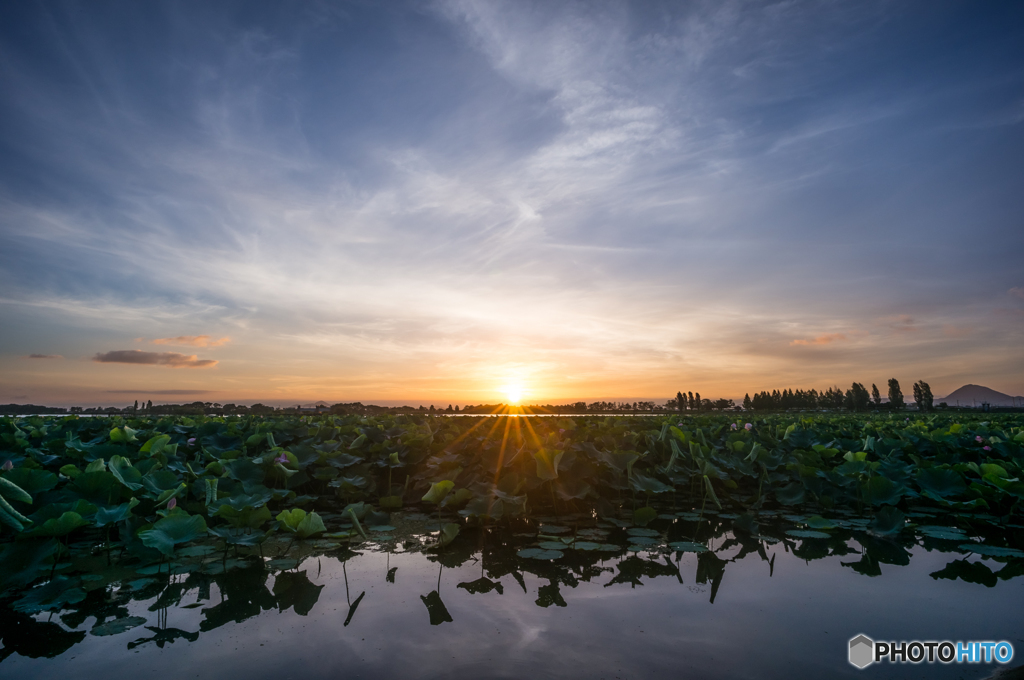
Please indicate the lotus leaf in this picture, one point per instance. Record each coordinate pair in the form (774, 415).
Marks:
(991, 550)
(540, 554)
(176, 528)
(28, 480)
(117, 626)
(59, 526)
(438, 491)
(688, 546)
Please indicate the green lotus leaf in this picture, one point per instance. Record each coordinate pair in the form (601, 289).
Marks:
(644, 516)
(819, 522)
(448, 533)
(547, 463)
(889, 520)
(942, 533)
(391, 502)
(806, 533)
(880, 490)
(688, 546)
(438, 491)
(54, 594)
(179, 527)
(990, 550)
(155, 444)
(59, 526)
(27, 480)
(118, 513)
(791, 494)
(117, 626)
(551, 545)
(645, 484)
(540, 554)
(125, 472)
(248, 517)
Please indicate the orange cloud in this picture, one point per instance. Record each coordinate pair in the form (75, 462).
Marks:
(192, 341)
(826, 339)
(137, 356)
(956, 331)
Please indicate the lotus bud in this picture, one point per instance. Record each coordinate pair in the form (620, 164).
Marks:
(192, 441)
(171, 504)
(749, 426)
(8, 465)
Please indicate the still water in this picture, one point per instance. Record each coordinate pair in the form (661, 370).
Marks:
(766, 606)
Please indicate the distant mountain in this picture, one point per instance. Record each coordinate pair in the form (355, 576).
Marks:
(974, 395)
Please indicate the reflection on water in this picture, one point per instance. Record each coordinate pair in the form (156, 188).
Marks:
(617, 602)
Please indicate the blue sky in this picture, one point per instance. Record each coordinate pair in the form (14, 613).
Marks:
(429, 202)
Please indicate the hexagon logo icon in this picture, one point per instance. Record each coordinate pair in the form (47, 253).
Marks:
(862, 651)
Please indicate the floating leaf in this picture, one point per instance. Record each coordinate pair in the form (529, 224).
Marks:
(540, 554)
(990, 550)
(806, 533)
(117, 626)
(688, 546)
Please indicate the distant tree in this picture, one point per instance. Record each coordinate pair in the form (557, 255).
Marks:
(747, 403)
(680, 402)
(875, 396)
(149, 405)
(136, 407)
(456, 409)
(895, 394)
(432, 409)
(449, 409)
(923, 395)
(699, 403)
(857, 397)
(689, 401)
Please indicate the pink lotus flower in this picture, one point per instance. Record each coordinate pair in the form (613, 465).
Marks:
(171, 504)
(979, 439)
(749, 426)
(281, 459)
(192, 441)
(8, 465)
(734, 426)
(986, 448)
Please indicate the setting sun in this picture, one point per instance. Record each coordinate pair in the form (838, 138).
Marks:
(513, 392)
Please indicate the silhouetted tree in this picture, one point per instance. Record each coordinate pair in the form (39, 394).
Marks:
(857, 397)
(895, 394)
(747, 405)
(699, 402)
(875, 396)
(680, 401)
(923, 395)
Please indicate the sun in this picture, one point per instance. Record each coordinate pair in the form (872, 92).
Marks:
(513, 392)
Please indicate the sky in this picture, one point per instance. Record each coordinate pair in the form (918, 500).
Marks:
(442, 202)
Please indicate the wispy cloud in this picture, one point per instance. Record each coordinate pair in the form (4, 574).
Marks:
(137, 356)
(192, 341)
(826, 339)
(160, 392)
(44, 356)
(1017, 292)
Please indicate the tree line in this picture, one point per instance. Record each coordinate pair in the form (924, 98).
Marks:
(856, 398)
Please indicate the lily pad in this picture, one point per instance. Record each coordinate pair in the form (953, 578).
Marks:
(117, 626)
(540, 554)
(688, 546)
(805, 533)
(991, 550)
(642, 532)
